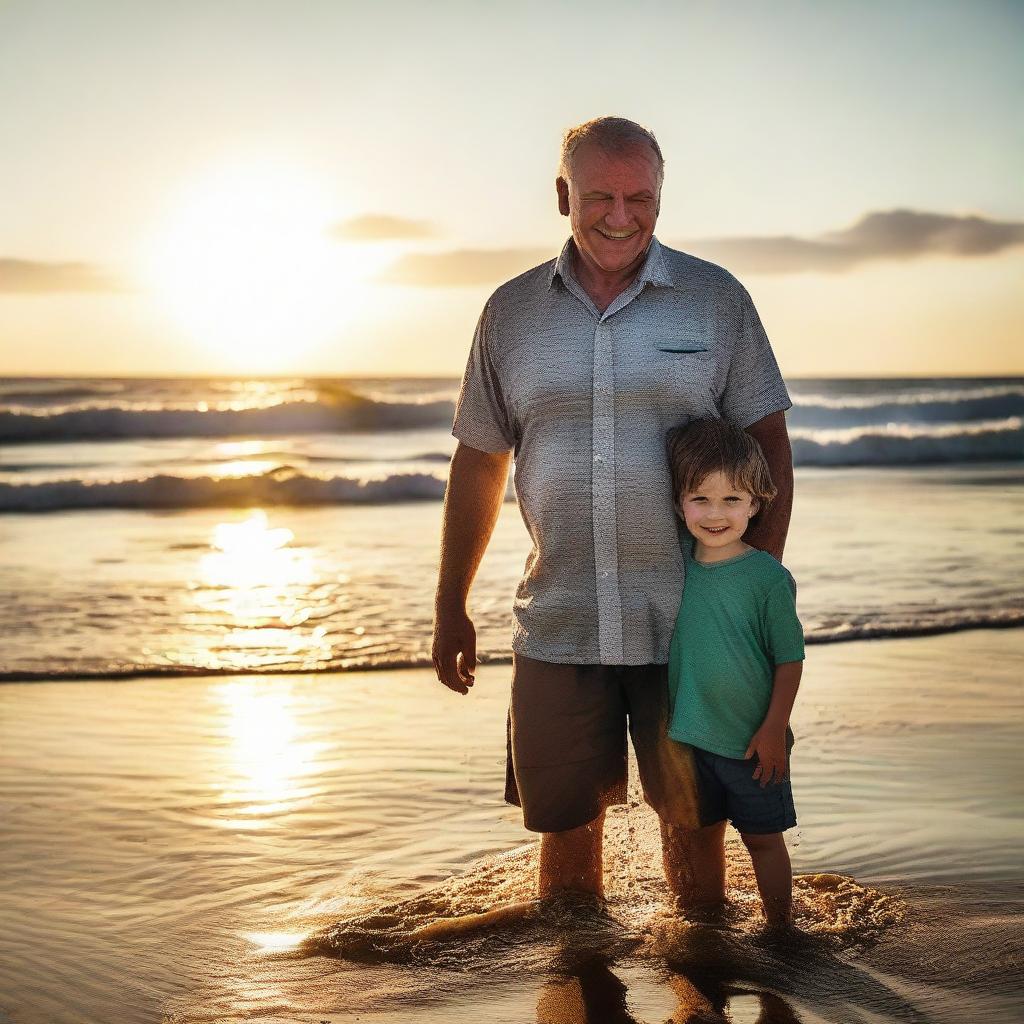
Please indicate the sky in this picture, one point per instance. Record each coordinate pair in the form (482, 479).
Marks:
(335, 188)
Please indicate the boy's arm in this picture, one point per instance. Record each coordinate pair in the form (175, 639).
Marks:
(769, 742)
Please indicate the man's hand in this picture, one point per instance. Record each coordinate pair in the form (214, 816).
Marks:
(454, 649)
(769, 743)
(472, 501)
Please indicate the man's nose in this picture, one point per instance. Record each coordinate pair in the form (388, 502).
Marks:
(618, 216)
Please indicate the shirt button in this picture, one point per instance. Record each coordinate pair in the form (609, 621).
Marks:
(599, 458)
(604, 574)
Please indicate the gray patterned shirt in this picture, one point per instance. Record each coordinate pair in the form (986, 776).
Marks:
(585, 399)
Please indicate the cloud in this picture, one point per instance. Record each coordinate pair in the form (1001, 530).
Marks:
(37, 277)
(375, 227)
(893, 235)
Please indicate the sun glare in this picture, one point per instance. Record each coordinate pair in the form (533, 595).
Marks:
(245, 263)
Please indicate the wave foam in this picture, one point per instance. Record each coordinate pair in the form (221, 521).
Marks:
(953, 406)
(896, 444)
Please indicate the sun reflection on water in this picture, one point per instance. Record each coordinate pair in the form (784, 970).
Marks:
(275, 942)
(269, 753)
(254, 597)
(250, 553)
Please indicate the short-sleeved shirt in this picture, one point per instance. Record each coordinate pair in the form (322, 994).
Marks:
(736, 622)
(585, 399)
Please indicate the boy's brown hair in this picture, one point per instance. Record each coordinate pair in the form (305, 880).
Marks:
(702, 447)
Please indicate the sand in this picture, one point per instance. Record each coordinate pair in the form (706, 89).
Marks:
(166, 844)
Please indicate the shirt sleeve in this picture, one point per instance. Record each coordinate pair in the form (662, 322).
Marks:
(784, 632)
(754, 387)
(481, 416)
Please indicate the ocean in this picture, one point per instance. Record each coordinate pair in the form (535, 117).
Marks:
(223, 525)
(232, 789)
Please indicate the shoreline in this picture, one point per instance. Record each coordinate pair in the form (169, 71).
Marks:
(154, 673)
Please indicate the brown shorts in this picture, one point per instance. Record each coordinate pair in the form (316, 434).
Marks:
(567, 744)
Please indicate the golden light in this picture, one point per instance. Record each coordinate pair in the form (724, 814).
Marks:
(268, 757)
(251, 539)
(258, 587)
(252, 562)
(275, 942)
(246, 264)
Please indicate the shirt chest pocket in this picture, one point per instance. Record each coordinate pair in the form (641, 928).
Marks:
(684, 346)
(682, 371)
(689, 363)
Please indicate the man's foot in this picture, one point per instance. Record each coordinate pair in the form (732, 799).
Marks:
(706, 914)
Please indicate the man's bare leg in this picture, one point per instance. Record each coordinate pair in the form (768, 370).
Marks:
(572, 860)
(568, 860)
(694, 862)
(774, 875)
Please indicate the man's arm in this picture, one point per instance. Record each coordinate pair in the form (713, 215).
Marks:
(769, 530)
(472, 501)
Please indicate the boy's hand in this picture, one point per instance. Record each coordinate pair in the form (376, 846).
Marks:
(770, 746)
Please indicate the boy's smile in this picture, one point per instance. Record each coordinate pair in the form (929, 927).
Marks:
(717, 514)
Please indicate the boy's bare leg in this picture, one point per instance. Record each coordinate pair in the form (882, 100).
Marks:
(694, 862)
(572, 860)
(774, 876)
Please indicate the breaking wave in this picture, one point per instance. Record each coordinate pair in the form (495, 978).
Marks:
(901, 444)
(344, 412)
(281, 486)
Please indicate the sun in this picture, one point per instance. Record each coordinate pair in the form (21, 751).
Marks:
(245, 263)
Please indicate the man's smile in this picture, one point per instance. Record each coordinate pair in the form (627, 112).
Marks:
(616, 236)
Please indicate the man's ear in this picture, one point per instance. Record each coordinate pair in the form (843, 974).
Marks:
(562, 187)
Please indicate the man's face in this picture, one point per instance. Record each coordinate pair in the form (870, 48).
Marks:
(612, 203)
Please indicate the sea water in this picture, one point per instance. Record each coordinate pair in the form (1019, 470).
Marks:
(192, 831)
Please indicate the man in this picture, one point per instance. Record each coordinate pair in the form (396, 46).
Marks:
(580, 366)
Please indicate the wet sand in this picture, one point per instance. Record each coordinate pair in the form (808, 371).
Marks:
(168, 845)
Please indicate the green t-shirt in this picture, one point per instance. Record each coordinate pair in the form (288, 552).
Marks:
(737, 621)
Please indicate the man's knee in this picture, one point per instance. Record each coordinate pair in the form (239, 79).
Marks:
(580, 834)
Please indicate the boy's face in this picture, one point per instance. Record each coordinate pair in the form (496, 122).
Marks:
(717, 514)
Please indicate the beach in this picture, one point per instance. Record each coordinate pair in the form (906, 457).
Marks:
(261, 263)
(232, 789)
(168, 844)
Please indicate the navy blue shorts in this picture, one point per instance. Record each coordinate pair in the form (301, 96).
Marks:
(726, 788)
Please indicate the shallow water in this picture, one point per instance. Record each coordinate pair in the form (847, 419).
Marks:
(875, 552)
(168, 845)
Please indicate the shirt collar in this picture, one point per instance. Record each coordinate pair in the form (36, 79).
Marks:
(653, 272)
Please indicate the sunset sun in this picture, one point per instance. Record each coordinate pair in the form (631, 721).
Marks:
(244, 263)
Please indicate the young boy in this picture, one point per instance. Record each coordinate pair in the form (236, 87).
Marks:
(734, 665)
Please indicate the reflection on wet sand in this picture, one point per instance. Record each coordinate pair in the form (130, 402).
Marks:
(633, 958)
(594, 994)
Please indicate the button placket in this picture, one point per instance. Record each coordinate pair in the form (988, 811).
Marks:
(609, 605)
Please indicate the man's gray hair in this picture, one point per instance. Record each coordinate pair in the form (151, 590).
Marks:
(612, 134)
